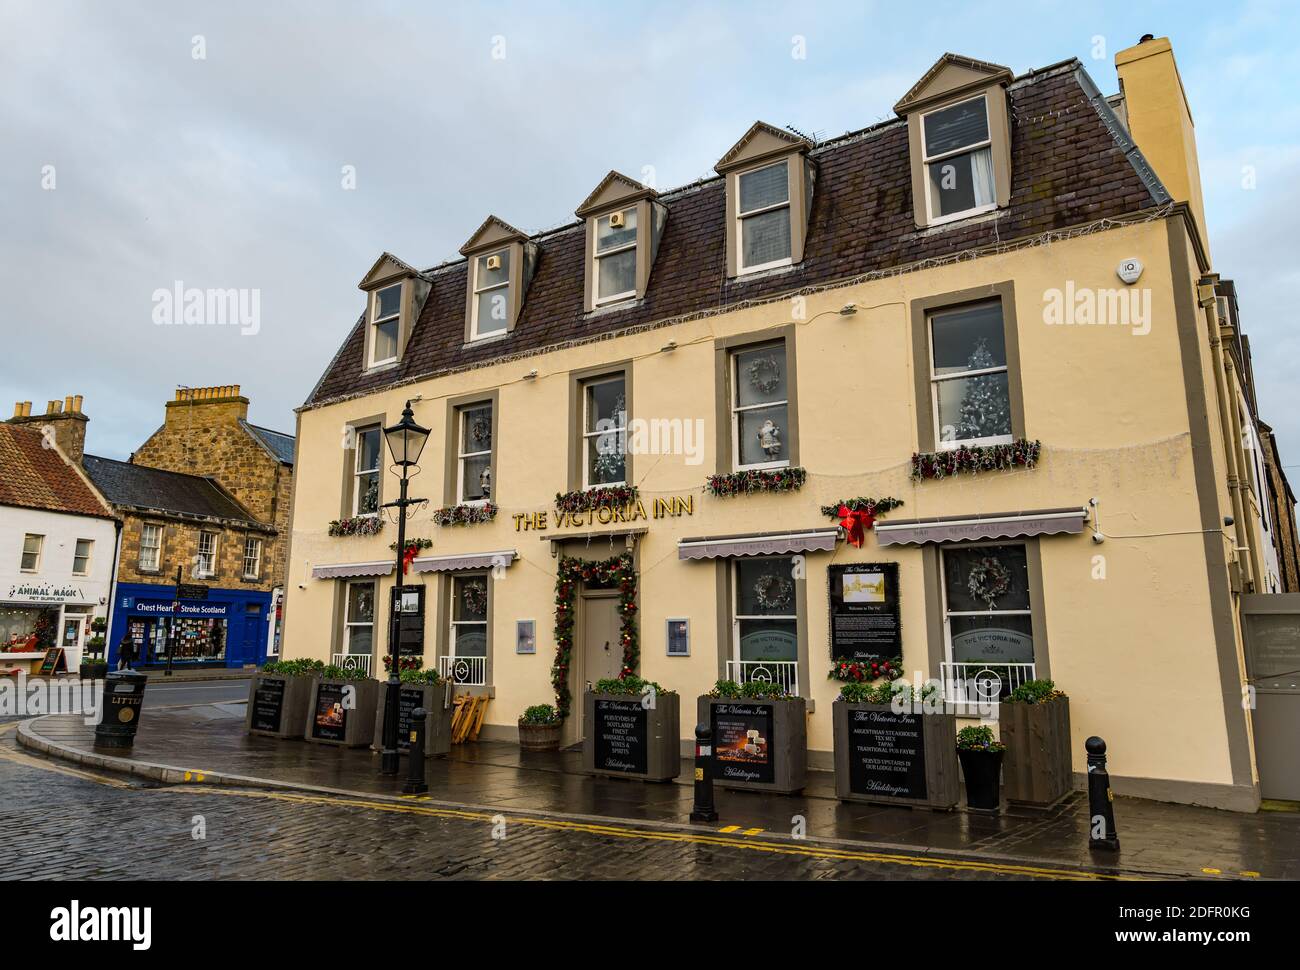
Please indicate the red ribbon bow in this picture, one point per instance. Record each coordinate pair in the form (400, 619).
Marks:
(855, 523)
(412, 550)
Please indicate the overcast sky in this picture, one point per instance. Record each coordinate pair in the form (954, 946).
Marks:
(147, 143)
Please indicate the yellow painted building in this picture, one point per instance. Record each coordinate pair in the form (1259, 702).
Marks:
(1016, 264)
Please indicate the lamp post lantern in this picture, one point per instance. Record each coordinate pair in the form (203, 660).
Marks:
(406, 440)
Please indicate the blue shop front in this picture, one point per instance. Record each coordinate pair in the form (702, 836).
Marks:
(227, 628)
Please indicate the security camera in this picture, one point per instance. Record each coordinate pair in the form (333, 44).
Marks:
(1098, 538)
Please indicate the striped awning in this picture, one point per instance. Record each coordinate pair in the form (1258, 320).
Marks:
(469, 560)
(348, 570)
(757, 544)
(1006, 525)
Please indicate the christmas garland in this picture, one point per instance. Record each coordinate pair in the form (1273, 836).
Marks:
(358, 525)
(619, 570)
(757, 480)
(601, 497)
(988, 580)
(465, 514)
(864, 671)
(1020, 453)
(413, 548)
(857, 515)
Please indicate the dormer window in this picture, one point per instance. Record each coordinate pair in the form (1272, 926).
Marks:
(763, 210)
(958, 160)
(624, 226)
(501, 262)
(769, 195)
(959, 140)
(615, 256)
(385, 322)
(491, 303)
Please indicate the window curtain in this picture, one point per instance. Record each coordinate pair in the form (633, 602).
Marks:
(982, 175)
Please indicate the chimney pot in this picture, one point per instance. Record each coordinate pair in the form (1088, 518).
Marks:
(76, 403)
(1146, 37)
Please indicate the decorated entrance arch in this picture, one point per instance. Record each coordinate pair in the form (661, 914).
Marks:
(618, 571)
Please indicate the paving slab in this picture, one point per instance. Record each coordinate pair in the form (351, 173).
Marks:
(208, 744)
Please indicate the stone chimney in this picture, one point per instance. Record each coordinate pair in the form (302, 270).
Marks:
(66, 420)
(206, 407)
(1160, 120)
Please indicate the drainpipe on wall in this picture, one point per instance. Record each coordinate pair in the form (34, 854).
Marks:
(1210, 303)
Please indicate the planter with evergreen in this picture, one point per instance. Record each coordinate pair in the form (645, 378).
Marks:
(341, 711)
(1034, 721)
(539, 728)
(278, 697)
(420, 688)
(632, 727)
(759, 735)
(981, 765)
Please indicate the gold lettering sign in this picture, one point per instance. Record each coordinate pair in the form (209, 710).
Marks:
(660, 508)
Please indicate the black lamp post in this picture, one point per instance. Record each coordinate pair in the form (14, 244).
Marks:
(406, 440)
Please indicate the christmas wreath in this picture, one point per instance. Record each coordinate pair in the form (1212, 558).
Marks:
(765, 374)
(476, 598)
(988, 580)
(772, 592)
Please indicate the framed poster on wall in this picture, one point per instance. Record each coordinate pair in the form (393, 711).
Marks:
(864, 620)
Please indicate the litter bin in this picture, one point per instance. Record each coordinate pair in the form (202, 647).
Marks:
(120, 709)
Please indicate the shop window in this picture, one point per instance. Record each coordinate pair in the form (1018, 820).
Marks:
(359, 620)
(988, 621)
(760, 408)
(31, 558)
(958, 160)
(205, 561)
(252, 557)
(490, 305)
(81, 557)
(367, 458)
(765, 621)
(615, 256)
(467, 644)
(385, 322)
(968, 376)
(474, 453)
(604, 432)
(150, 547)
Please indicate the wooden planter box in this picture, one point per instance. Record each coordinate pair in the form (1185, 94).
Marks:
(1037, 769)
(437, 726)
(773, 758)
(626, 740)
(277, 705)
(327, 722)
(895, 759)
(540, 737)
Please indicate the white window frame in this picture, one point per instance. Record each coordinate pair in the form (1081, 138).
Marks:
(737, 408)
(737, 616)
(376, 320)
(453, 623)
(359, 474)
(146, 547)
(39, 553)
(474, 301)
(461, 454)
(597, 255)
(256, 544)
(89, 557)
(926, 160)
(211, 555)
(936, 379)
(589, 437)
(350, 624)
(741, 268)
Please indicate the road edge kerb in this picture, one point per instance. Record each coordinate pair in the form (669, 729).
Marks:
(172, 775)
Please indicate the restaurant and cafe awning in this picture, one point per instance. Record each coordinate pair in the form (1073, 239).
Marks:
(1003, 525)
(352, 570)
(758, 544)
(468, 560)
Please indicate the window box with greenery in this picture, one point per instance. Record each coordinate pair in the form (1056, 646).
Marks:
(632, 727)
(420, 688)
(1034, 721)
(895, 746)
(539, 728)
(981, 765)
(341, 711)
(278, 697)
(357, 525)
(760, 736)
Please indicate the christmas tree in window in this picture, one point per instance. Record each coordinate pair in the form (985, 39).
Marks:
(985, 410)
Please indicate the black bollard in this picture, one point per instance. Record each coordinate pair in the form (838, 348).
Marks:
(1101, 801)
(415, 783)
(703, 810)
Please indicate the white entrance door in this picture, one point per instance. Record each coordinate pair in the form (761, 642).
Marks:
(70, 639)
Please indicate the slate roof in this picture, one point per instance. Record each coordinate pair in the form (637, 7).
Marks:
(279, 444)
(35, 477)
(138, 487)
(1072, 163)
